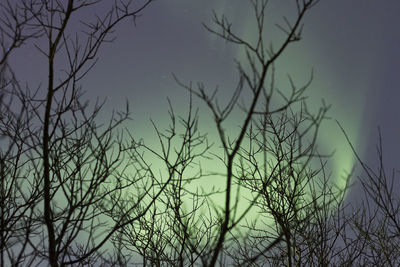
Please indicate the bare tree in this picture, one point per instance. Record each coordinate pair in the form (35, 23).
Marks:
(64, 176)
(375, 224)
(279, 191)
(78, 192)
(271, 157)
(17, 195)
(294, 196)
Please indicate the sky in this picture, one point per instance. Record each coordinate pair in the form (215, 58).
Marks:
(351, 45)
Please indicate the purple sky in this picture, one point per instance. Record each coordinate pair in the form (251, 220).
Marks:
(352, 45)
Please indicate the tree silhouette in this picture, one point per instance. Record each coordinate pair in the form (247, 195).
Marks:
(77, 191)
(62, 182)
(375, 231)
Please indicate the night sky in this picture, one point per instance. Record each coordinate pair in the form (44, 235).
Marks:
(352, 46)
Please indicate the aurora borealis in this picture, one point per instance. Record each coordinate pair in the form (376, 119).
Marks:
(206, 148)
(351, 46)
